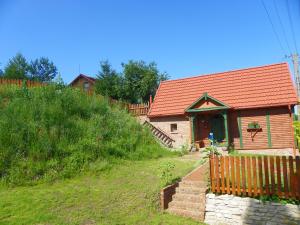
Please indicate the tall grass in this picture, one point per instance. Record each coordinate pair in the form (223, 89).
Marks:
(53, 132)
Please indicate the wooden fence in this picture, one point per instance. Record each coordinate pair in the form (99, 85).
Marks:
(138, 109)
(256, 176)
(19, 83)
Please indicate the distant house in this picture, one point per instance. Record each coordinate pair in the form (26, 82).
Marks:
(84, 82)
(249, 108)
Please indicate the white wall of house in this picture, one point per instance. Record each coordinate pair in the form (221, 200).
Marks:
(181, 135)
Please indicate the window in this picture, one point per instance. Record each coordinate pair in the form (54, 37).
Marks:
(86, 86)
(173, 127)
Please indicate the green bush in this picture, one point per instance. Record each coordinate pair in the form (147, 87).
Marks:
(54, 132)
(297, 132)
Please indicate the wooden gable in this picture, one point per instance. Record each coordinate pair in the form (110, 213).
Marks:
(206, 103)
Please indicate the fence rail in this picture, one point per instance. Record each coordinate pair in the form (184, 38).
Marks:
(256, 176)
(138, 109)
(28, 83)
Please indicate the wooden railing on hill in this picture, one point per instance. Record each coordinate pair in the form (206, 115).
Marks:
(20, 83)
(164, 138)
(256, 176)
(138, 109)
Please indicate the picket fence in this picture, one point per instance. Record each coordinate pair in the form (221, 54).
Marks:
(255, 176)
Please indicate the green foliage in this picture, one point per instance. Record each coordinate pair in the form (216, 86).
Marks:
(109, 82)
(297, 131)
(17, 68)
(210, 150)
(141, 80)
(167, 174)
(275, 198)
(54, 132)
(42, 69)
(135, 84)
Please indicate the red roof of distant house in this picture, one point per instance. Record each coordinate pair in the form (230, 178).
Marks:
(263, 86)
(91, 79)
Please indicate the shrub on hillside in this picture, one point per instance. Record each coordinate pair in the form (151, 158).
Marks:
(51, 132)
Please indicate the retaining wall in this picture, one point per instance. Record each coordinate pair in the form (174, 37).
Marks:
(229, 209)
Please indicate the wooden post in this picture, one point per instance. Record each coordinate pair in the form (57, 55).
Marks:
(269, 129)
(240, 130)
(150, 101)
(193, 129)
(224, 114)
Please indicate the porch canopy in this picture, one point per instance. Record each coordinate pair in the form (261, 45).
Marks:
(207, 104)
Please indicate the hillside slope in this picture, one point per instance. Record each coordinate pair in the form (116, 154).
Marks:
(56, 132)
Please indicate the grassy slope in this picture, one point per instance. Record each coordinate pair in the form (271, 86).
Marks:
(126, 194)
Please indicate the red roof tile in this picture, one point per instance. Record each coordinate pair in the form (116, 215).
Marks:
(263, 86)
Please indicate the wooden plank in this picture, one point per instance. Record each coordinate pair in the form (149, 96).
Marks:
(243, 176)
(212, 174)
(237, 173)
(227, 174)
(292, 180)
(266, 171)
(285, 177)
(298, 176)
(249, 185)
(278, 170)
(232, 174)
(260, 175)
(254, 174)
(217, 174)
(272, 173)
(222, 175)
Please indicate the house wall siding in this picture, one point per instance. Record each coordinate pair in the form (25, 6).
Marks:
(182, 136)
(280, 128)
(79, 84)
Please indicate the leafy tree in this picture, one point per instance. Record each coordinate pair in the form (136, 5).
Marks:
(109, 82)
(42, 69)
(141, 80)
(17, 68)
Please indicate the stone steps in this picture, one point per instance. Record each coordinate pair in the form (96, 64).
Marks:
(187, 205)
(197, 215)
(188, 197)
(190, 190)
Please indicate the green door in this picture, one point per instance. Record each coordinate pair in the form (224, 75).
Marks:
(217, 128)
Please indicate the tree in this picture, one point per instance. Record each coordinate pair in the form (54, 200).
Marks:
(1, 72)
(141, 80)
(42, 69)
(17, 68)
(109, 82)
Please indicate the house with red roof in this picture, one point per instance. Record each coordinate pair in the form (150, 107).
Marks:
(84, 82)
(248, 108)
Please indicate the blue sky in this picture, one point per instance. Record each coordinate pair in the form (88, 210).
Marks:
(183, 37)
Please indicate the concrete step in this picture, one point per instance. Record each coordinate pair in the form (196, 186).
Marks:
(197, 215)
(193, 184)
(193, 198)
(190, 190)
(186, 205)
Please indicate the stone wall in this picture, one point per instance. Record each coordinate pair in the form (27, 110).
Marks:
(182, 135)
(229, 209)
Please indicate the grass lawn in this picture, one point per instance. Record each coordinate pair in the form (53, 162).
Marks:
(125, 194)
